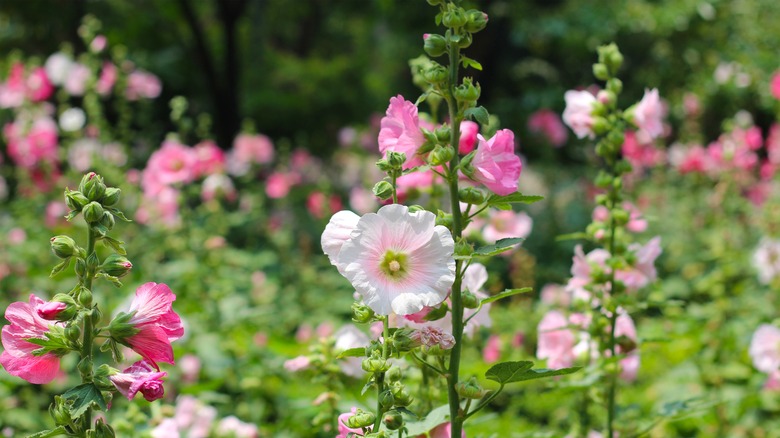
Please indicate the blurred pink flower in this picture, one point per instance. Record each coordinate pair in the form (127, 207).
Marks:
(76, 79)
(107, 79)
(555, 294)
(641, 154)
(18, 358)
(400, 131)
(549, 124)
(16, 236)
(279, 184)
(362, 200)
(190, 368)
(444, 431)
(766, 260)
(249, 149)
(577, 115)
(492, 350)
(297, 364)
(29, 147)
(649, 114)
(218, 185)
(209, 159)
(507, 223)
(399, 261)
(765, 348)
(39, 88)
(166, 429)
(624, 326)
(774, 85)
(468, 136)
(233, 427)
(157, 323)
(643, 271)
(496, 165)
(173, 163)
(98, 43)
(12, 91)
(556, 340)
(141, 377)
(141, 84)
(348, 337)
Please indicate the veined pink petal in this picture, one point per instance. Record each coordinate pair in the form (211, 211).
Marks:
(152, 300)
(152, 343)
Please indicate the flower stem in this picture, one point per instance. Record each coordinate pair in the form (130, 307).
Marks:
(380, 377)
(612, 391)
(88, 339)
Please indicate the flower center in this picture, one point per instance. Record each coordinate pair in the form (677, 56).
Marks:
(394, 264)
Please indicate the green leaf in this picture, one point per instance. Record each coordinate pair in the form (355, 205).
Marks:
(116, 212)
(61, 266)
(434, 418)
(438, 18)
(110, 278)
(71, 215)
(116, 245)
(479, 114)
(510, 372)
(352, 352)
(514, 198)
(59, 431)
(498, 247)
(505, 294)
(468, 62)
(421, 99)
(84, 397)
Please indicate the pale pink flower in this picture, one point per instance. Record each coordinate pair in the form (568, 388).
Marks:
(157, 324)
(279, 184)
(468, 136)
(58, 67)
(324, 330)
(337, 233)
(400, 131)
(55, 213)
(362, 200)
(348, 337)
(166, 429)
(39, 88)
(766, 260)
(141, 84)
(636, 223)
(624, 326)
(496, 165)
(492, 350)
(415, 181)
(556, 340)
(555, 294)
(141, 377)
(649, 114)
(107, 79)
(773, 381)
(399, 261)
(18, 358)
(549, 124)
(249, 149)
(643, 271)
(72, 119)
(577, 115)
(76, 79)
(344, 431)
(190, 368)
(16, 236)
(98, 43)
(218, 185)
(12, 91)
(774, 85)
(297, 364)
(431, 336)
(503, 224)
(209, 159)
(765, 348)
(444, 431)
(233, 427)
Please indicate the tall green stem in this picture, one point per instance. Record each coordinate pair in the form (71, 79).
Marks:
(457, 229)
(88, 339)
(612, 319)
(380, 377)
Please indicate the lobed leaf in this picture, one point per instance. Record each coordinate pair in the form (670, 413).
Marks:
(510, 372)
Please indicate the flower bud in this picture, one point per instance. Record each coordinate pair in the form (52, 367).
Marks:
(620, 216)
(463, 41)
(116, 265)
(455, 17)
(103, 430)
(402, 396)
(600, 125)
(475, 21)
(111, 197)
(437, 313)
(61, 308)
(441, 155)
(444, 219)
(386, 399)
(434, 45)
(435, 2)
(361, 313)
(108, 220)
(600, 71)
(467, 91)
(73, 332)
(470, 389)
(615, 85)
(435, 74)
(396, 159)
(442, 134)
(361, 419)
(414, 208)
(393, 420)
(403, 341)
(384, 165)
(470, 301)
(375, 364)
(75, 200)
(471, 195)
(93, 212)
(626, 344)
(383, 190)
(603, 179)
(606, 97)
(92, 186)
(393, 374)
(59, 411)
(120, 328)
(81, 268)
(63, 246)
(85, 366)
(85, 297)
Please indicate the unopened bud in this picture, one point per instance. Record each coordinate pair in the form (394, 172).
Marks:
(434, 45)
(81, 268)
(108, 220)
(93, 212)
(375, 364)
(471, 195)
(116, 265)
(393, 374)
(396, 159)
(85, 297)
(402, 396)
(393, 420)
(470, 301)
(63, 246)
(443, 133)
(455, 17)
(600, 71)
(73, 332)
(620, 216)
(75, 200)
(600, 125)
(361, 313)
(615, 85)
(361, 419)
(386, 399)
(470, 389)
(444, 219)
(383, 190)
(61, 308)
(441, 155)
(475, 21)
(111, 196)
(59, 412)
(103, 430)
(435, 74)
(92, 186)
(467, 91)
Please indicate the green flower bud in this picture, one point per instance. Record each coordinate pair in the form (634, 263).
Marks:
(375, 364)
(434, 45)
(465, 41)
(470, 389)
(361, 419)
(402, 396)
(455, 17)
(386, 399)
(81, 268)
(393, 420)
(116, 265)
(465, 164)
(435, 2)
(620, 216)
(615, 60)
(85, 366)
(467, 91)
(384, 165)
(92, 186)
(393, 374)
(471, 195)
(436, 75)
(93, 212)
(59, 411)
(441, 155)
(626, 344)
(470, 301)
(402, 340)
(75, 200)
(415, 208)
(615, 85)
(73, 332)
(63, 246)
(119, 328)
(383, 190)
(442, 134)
(603, 179)
(444, 219)
(437, 313)
(600, 71)
(85, 297)
(111, 197)
(108, 220)
(475, 21)
(396, 159)
(600, 125)
(361, 313)
(103, 430)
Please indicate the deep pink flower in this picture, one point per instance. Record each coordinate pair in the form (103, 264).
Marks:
(39, 87)
(577, 115)
(549, 124)
(38, 144)
(444, 431)
(492, 351)
(468, 136)
(173, 163)
(12, 91)
(496, 165)
(209, 159)
(774, 85)
(649, 113)
(157, 324)
(18, 358)
(279, 184)
(141, 377)
(400, 130)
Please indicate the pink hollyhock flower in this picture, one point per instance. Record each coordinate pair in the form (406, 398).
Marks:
(337, 233)
(398, 261)
(348, 337)
(641, 154)
(400, 131)
(166, 429)
(577, 115)
(693, 160)
(55, 213)
(12, 91)
(297, 364)
(218, 185)
(16, 236)
(190, 368)
(774, 85)
(549, 124)
(556, 340)
(156, 323)
(98, 43)
(247, 150)
(362, 200)
(765, 348)
(496, 165)
(233, 427)
(173, 163)
(624, 326)
(492, 351)
(107, 79)
(141, 84)
(468, 136)
(39, 88)
(507, 223)
(50, 309)
(27, 149)
(444, 431)
(76, 79)
(141, 377)
(555, 294)
(431, 336)
(344, 431)
(18, 358)
(636, 223)
(649, 112)
(766, 259)
(279, 184)
(643, 271)
(209, 159)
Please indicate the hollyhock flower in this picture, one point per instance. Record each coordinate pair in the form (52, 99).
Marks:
(641, 154)
(348, 337)
(218, 185)
(190, 368)
(492, 351)
(249, 149)
(141, 84)
(362, 200)
(337, 233)
(76, 79)
(496, 165)
(693, 159)
(556, 340)
(766, 259)
(400, 131)
(468, 136)
(344, 431)
(154, 323)
(444, 431)
(624, 326)
(398, 261)
(648, 114)
(18, 358)
(209, 159)
(141, 377)
(577, 115)
(549, 124)
(39, 88)
(13, 90)
(431, 336)
(171, 164)
(72, 119)
(58, 67)
(166, 429)
(107, 79)
(297, 364)
(233, 427)
(279, 184)
(774, 85)
(16, 236)
(98, 43)
(507, 223)
(38, 144)
(765, 348)
(643, 271)
(82, 152)
(555, 294)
